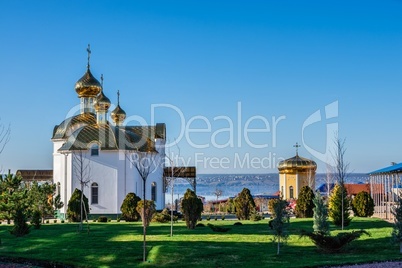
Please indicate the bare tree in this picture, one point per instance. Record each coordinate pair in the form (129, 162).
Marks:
(310, 179)
(341, 169)
(4, 136)
(218, 193)
(170, 181)
(145, 164)
(82, 173)
(328, 179)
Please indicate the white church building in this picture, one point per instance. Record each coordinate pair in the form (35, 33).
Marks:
(89, 149)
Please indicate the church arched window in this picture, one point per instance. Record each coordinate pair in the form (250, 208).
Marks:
(94, 150)
(153, 191)
(94, 193)
(291, 193)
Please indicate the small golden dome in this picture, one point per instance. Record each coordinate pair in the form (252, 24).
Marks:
(297, 163)
(102, 103)
(118, 115)
(88, 86)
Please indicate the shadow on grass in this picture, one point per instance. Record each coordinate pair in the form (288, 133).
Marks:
(249, 245)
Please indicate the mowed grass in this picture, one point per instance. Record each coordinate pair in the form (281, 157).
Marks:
(250, 245)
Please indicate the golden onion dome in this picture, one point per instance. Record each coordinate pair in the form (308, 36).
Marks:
(88, 86)
(297, 163)
(118, 115)
(102, 103)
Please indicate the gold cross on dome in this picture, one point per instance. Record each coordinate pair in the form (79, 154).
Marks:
(297, 146)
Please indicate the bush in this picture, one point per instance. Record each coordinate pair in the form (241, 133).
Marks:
(244, 204)
(363, 205)
(208, 217)
(192, 208)
(223, 217)
(162, 217)
(305, 205)
(238, 224)
(118, 220)
(54, 221)
(271, 205)
(200, 225)
(36, 219)
(74, 206)
(335, 206)
(62, 221)
(102, 219)
(129, 208)
(148, 213)
(94, 220)
(333, 244)
(47, 221)
(21, 227)
(255, 216)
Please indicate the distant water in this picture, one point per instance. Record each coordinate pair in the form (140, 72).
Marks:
(232, 184)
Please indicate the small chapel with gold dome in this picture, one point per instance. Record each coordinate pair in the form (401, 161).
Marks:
(294, 174)
(93, 149)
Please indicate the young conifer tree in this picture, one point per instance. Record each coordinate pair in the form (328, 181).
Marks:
(279, 223)
(320, 215)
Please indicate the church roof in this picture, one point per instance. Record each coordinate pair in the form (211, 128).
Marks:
(66, 127)
(108, 138)
(297, 163)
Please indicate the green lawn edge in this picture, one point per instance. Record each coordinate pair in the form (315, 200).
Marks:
(119, 244)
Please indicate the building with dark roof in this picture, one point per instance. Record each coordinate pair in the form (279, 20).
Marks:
(99, 151)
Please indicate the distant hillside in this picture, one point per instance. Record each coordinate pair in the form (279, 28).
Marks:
(232, 184)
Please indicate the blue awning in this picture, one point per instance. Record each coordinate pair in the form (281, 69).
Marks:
(391, 169)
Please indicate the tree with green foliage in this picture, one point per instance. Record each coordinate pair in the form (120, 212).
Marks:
(397, 228)
(192, 207)
(229, 206)
(10, 185)
(20, 218)
(320, 215)
(74, 208)
(147, 211)
(57, 203)
(363, 205)
(244, 204)
(36, 219)
(339, 206)
(14, 203)
(321, 235)
(305, 205)
(40, 198)
(271, 206)
(129, 208)
(279, 223)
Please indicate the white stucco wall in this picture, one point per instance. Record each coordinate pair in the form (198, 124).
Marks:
(115, 176)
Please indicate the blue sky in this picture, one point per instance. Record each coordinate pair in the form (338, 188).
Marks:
(209, 60)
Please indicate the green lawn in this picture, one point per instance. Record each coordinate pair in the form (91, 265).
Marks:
(250, 245)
